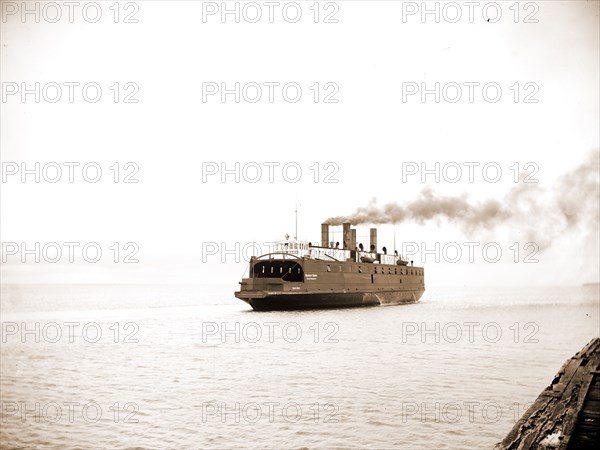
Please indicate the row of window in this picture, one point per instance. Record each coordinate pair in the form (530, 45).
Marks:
(274, 271)
(286, 270)
(286, 246)
(382, 270)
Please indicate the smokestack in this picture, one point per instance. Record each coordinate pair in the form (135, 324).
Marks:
(346, 235)
(324, 235)
(352, 239)
(373, 238)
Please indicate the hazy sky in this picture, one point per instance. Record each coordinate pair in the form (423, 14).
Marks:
(371, 61)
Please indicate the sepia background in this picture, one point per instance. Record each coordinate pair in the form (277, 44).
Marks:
(180, 205)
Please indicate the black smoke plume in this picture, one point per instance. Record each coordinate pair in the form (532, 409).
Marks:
(538, 214)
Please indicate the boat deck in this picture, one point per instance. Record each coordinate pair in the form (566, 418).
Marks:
(566, 415)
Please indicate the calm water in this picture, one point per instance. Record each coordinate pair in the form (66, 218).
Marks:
(98, 366)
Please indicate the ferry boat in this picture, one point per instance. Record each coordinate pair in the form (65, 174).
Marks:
(301, 275)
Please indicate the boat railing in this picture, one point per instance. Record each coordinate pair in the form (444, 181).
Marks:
(301, 250)
(270, 255)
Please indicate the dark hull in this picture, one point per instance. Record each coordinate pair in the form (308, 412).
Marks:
(295, 301)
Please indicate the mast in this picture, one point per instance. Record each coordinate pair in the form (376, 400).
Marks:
(296, 213)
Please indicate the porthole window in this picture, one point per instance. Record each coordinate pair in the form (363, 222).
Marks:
(328, 268)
